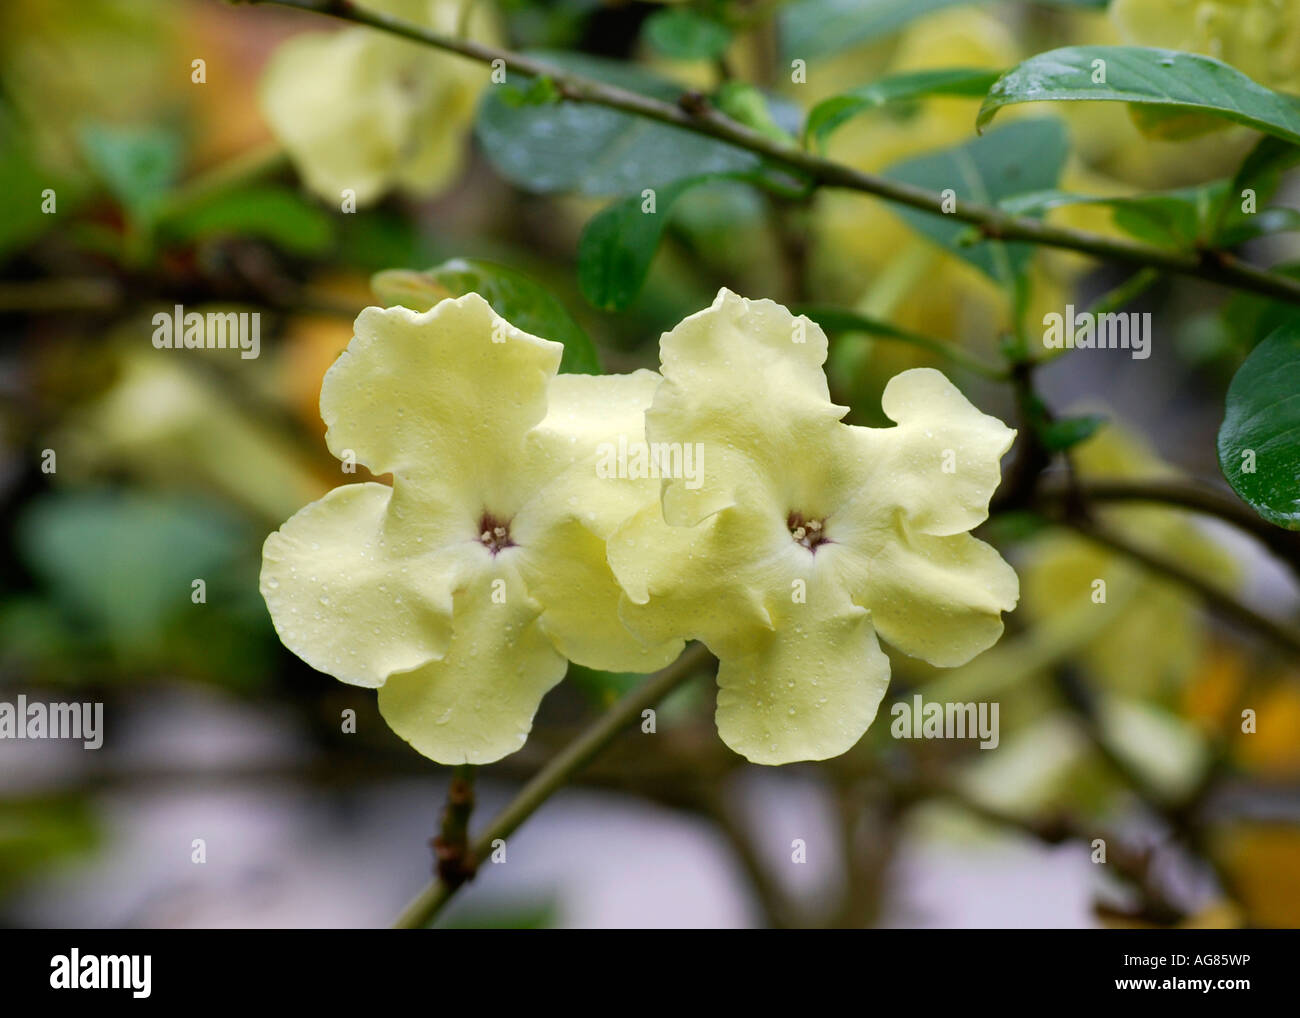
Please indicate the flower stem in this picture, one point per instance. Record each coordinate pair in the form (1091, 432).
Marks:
(701, 118)
(426, 905)
(455, 863)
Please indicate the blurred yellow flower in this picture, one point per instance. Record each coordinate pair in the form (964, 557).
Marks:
(1061, 574)
(163, 421)
(364, 111)
(1261, 38)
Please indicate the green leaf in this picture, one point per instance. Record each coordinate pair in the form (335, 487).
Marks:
(1259, 441)
(683, 34)
(138, 165)
(1170, 218)
(593, 150)
(1160, 78)
(1186, 219)
(815, 28)
(603, 688)
(1061, 434)
(539, 91)
(513, 296)
(834, 319)
(119, 568)
(276, 214)
(1261, 171)
(830, 113)
(23, 182)
(620, 241)
(1024, 156)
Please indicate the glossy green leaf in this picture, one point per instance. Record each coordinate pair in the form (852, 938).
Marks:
(830, 113)
(594, 150)
(1160, 78)
(515, 297)
(1259, 441)
(620, 241)
(1259, 176)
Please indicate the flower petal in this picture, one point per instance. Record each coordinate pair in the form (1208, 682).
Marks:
(476, 704)
(716, 581)
(363, 111)
(937, 598)
(939, 467)
(353, 598)
(566, 571)
(571, 455)
(808, 692)
(744, 379)
(581, 498)
(446, 394)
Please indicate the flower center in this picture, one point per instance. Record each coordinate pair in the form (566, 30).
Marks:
(807, 532)
(494, 533)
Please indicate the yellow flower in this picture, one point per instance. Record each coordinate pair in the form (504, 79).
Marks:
(1261, 38)
(365, 111)
(801, 538)
(460, 590)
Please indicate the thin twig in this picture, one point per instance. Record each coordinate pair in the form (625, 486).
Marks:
(454, 862)
(426, 905)
(1183, 494)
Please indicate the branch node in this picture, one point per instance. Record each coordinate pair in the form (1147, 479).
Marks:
(693, 102)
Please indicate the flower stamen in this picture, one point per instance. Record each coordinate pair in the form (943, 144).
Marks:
(494, 533)
(806, 532)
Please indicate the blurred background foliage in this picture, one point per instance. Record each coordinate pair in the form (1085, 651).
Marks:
(1119, 721)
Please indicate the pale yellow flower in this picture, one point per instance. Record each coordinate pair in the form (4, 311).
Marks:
(460, 590)
(803, 538)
